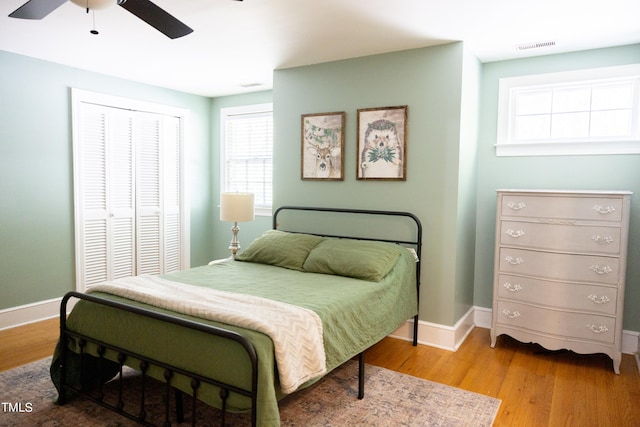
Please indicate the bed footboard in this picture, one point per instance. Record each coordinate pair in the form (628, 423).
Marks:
(145, 363)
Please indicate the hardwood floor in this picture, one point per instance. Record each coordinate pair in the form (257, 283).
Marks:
(28, 343)
(537, 387)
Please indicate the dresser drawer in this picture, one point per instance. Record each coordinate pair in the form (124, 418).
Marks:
(571, 325)
(578, 268)
(538, 206)
(567, 238)
(572, 296)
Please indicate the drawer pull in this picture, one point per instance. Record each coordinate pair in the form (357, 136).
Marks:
(602, 300)
(511, 315)
(606, 240)
(598, 329)
(514, 261)
(516, 206)
(604, 209)
(515, 233)
(513, 288)
(600, 270)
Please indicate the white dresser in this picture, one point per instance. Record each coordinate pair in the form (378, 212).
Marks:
(559, 275)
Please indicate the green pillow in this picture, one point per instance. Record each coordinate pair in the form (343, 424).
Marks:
(359, 259)
(274, 247)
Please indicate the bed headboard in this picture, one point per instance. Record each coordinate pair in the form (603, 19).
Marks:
(356, 215)
(375, 225)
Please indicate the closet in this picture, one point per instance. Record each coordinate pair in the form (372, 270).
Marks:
(128, 178)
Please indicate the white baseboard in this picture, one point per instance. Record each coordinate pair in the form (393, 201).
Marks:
(436, 335)
(482, 317)
(451, 337)
(630, 342)
(431, 334)
(30, 313)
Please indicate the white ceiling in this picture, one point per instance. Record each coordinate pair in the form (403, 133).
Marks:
(238, 43)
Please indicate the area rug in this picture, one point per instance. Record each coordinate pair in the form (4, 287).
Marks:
(391, 399)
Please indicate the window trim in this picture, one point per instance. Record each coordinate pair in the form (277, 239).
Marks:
(591, 146)
(234, 111)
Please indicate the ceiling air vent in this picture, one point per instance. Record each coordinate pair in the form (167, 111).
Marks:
(536, 45)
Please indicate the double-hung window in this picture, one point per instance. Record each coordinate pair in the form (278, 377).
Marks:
(594, 111)
(247, 152)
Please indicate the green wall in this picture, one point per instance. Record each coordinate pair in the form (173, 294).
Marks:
(429, 81)
(613, 172)
(36, 173)
(467, 173)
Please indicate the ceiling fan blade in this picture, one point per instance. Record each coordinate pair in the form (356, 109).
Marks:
(157, 18)
(36, 9)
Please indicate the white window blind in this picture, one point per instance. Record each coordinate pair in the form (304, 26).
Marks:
(587, 112)
(247, 155)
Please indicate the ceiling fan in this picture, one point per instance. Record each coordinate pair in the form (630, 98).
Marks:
(146, 10)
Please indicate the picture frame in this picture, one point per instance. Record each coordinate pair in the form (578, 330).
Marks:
(382, 143)
(322, 146)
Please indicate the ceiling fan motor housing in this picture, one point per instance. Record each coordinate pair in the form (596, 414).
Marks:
(97, 4)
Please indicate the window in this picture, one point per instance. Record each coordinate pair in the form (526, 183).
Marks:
(247, 152)
(593, 111)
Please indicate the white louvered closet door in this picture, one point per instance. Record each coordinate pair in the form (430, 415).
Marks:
(158, 196)
(149, 197)
(127, 193)
(104, 192)
(172, 253)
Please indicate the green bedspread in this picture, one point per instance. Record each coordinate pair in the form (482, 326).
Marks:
(355, 315)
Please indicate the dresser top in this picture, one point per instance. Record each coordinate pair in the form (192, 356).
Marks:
(586, 192)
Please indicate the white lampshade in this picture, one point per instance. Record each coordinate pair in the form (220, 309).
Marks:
(95, 4)
(236, 207)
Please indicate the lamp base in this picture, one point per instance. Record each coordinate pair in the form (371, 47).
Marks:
(234, 245)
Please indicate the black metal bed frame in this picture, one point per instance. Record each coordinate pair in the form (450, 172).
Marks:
(195, 379)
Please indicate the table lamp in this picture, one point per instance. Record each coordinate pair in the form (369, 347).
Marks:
(236, 207)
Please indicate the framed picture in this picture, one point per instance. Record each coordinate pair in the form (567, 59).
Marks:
(382, 143)
(322, 146)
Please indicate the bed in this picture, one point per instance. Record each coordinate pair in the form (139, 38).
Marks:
(327, 297)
